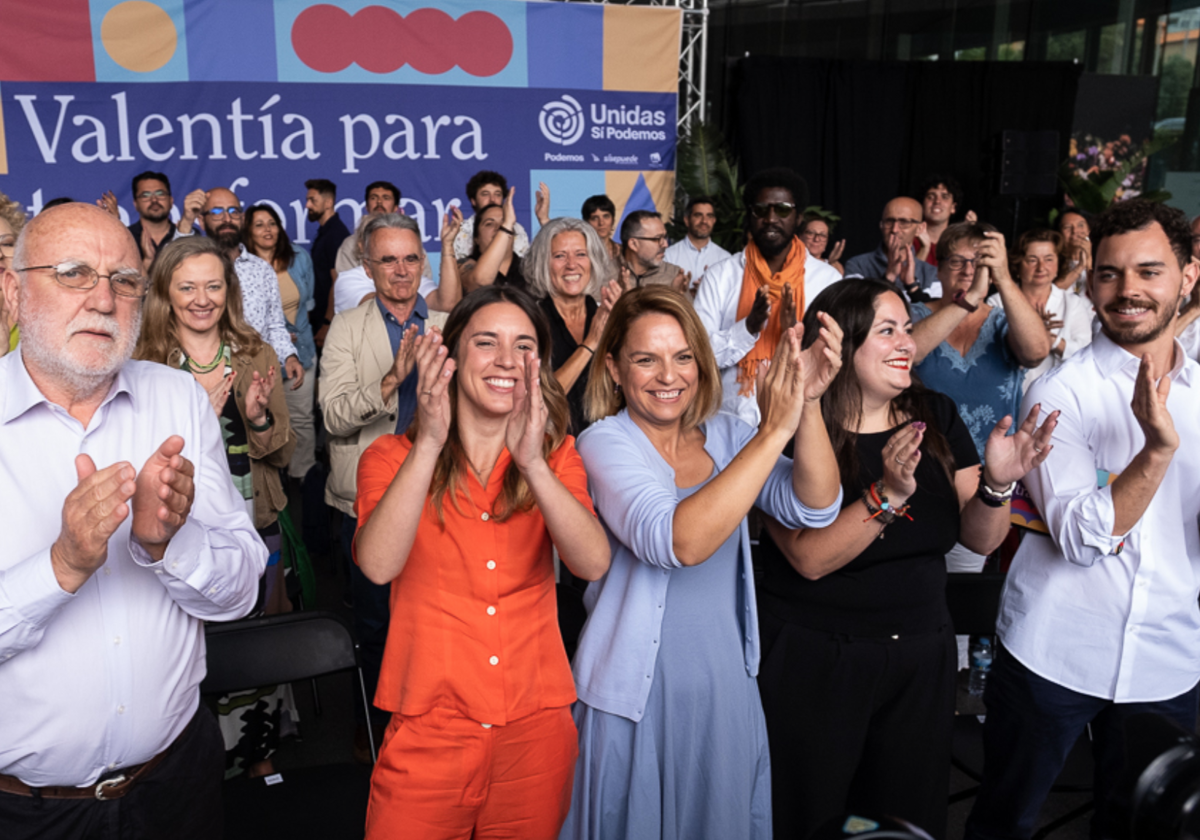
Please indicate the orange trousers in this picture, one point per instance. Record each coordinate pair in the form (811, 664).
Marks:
(441, 776)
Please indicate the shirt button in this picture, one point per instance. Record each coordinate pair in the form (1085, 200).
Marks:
(107, 570)
(491, 564)
(495, 660)
(120, 710)
(112, 766)
(491, 610)
(484, 517)
(117, 640)
(486, 725)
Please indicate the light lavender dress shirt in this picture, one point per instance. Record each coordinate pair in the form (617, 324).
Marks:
(107, 677)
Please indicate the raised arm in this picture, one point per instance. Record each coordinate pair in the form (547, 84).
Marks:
(498, 251)
(383, 543)
(931, 331)
(1027, 336)
(568, 372)
(573, 528)
(1008, 458)
(716, 304)
(449, 291)
(704, 520)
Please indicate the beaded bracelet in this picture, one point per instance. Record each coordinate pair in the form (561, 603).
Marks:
(882, 510)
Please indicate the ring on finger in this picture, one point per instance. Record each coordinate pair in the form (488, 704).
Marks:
(898, 461)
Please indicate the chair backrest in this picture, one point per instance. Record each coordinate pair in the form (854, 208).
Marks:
(277, 649)
(974, 601)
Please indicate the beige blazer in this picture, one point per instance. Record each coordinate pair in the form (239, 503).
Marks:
(356, 357)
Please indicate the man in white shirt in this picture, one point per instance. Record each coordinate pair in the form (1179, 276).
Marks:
(1099, 619)
(738, 298)
(696, 253)
(124, 533)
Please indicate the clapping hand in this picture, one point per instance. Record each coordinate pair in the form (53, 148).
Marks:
(1009, 457)
(760, 310)
(1150, 408)
(434, 370)
(1053, 322)
(901, 455)
(787, 308)
(258, 396)
(91, 514)
(451, 225)
(164, 495)
(780, 384)
(823, 358)
(541, 203)
(835, 253)
(526, 431)
(108, 203)
(219, 393)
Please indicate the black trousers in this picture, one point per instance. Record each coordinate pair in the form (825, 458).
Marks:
(180, 799)
(856, 725)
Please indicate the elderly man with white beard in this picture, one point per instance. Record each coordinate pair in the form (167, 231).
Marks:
(124, 533)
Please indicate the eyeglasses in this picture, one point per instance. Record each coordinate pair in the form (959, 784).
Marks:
(782, 209)
(816, 236)
(221, 211)
(903, 224)
(77, 275)
(155, 194)
(659, 239)
(410, 261)
(957, 263)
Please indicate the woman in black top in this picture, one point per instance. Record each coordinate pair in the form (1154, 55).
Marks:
(568, 267)
(857, 675)
(492, 260)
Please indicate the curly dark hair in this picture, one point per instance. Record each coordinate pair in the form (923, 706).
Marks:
(951, 184)
(783, 177)
(482, 178)
(1138, 214)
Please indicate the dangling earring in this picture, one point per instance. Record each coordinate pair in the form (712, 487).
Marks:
(616, 387)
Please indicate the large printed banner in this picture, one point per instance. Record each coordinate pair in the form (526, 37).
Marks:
(261, 95)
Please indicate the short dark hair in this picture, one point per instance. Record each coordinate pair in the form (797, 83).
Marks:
(951, 184)
(483, 178)
(632, 226)
(1087, 217)
(150, 176)
(1138, 214)
(387, 185)
(322, 185)
(699, 199)
(57, 202)
(783, 177)
(953, 234)
(597, 202)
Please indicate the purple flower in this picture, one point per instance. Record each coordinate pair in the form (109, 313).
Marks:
(1093, 149)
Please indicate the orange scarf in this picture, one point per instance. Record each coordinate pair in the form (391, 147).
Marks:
(758, 275)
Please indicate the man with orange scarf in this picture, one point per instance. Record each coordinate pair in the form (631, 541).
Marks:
(740, 299)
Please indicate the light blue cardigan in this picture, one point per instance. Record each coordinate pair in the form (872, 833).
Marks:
(635, 495)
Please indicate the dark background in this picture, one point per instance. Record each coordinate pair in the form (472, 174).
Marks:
(864, 132)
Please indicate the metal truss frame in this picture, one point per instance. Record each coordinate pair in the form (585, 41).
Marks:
(693, 55)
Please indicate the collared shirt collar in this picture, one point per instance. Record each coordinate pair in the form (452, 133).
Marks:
(1111, 357)
(23, 393)
(421, 309)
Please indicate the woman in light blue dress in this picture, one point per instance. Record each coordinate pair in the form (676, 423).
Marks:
(673, 743)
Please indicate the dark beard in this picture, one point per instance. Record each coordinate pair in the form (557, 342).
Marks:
(1144, 334)
(160, 216)
(769, 249)
(314, 216)
(228, 239)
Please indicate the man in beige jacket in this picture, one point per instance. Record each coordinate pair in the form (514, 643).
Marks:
(368, 388)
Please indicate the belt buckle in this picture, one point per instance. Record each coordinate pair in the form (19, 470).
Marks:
(107, 783)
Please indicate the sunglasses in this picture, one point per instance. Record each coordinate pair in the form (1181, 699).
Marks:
(782, 209)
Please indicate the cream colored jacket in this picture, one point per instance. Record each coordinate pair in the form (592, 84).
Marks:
(356, 357)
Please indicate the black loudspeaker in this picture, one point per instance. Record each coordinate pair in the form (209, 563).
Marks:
(1028, 163)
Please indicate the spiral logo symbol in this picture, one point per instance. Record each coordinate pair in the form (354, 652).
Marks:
(562, 121)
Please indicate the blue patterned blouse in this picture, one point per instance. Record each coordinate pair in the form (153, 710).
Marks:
(985, 384)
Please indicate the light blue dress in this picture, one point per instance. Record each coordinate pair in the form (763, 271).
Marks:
(672, 738)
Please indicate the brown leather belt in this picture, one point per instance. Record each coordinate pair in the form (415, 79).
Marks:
(114, 787)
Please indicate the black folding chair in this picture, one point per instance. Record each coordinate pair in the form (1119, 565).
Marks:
(328, 801)
(974, 604)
